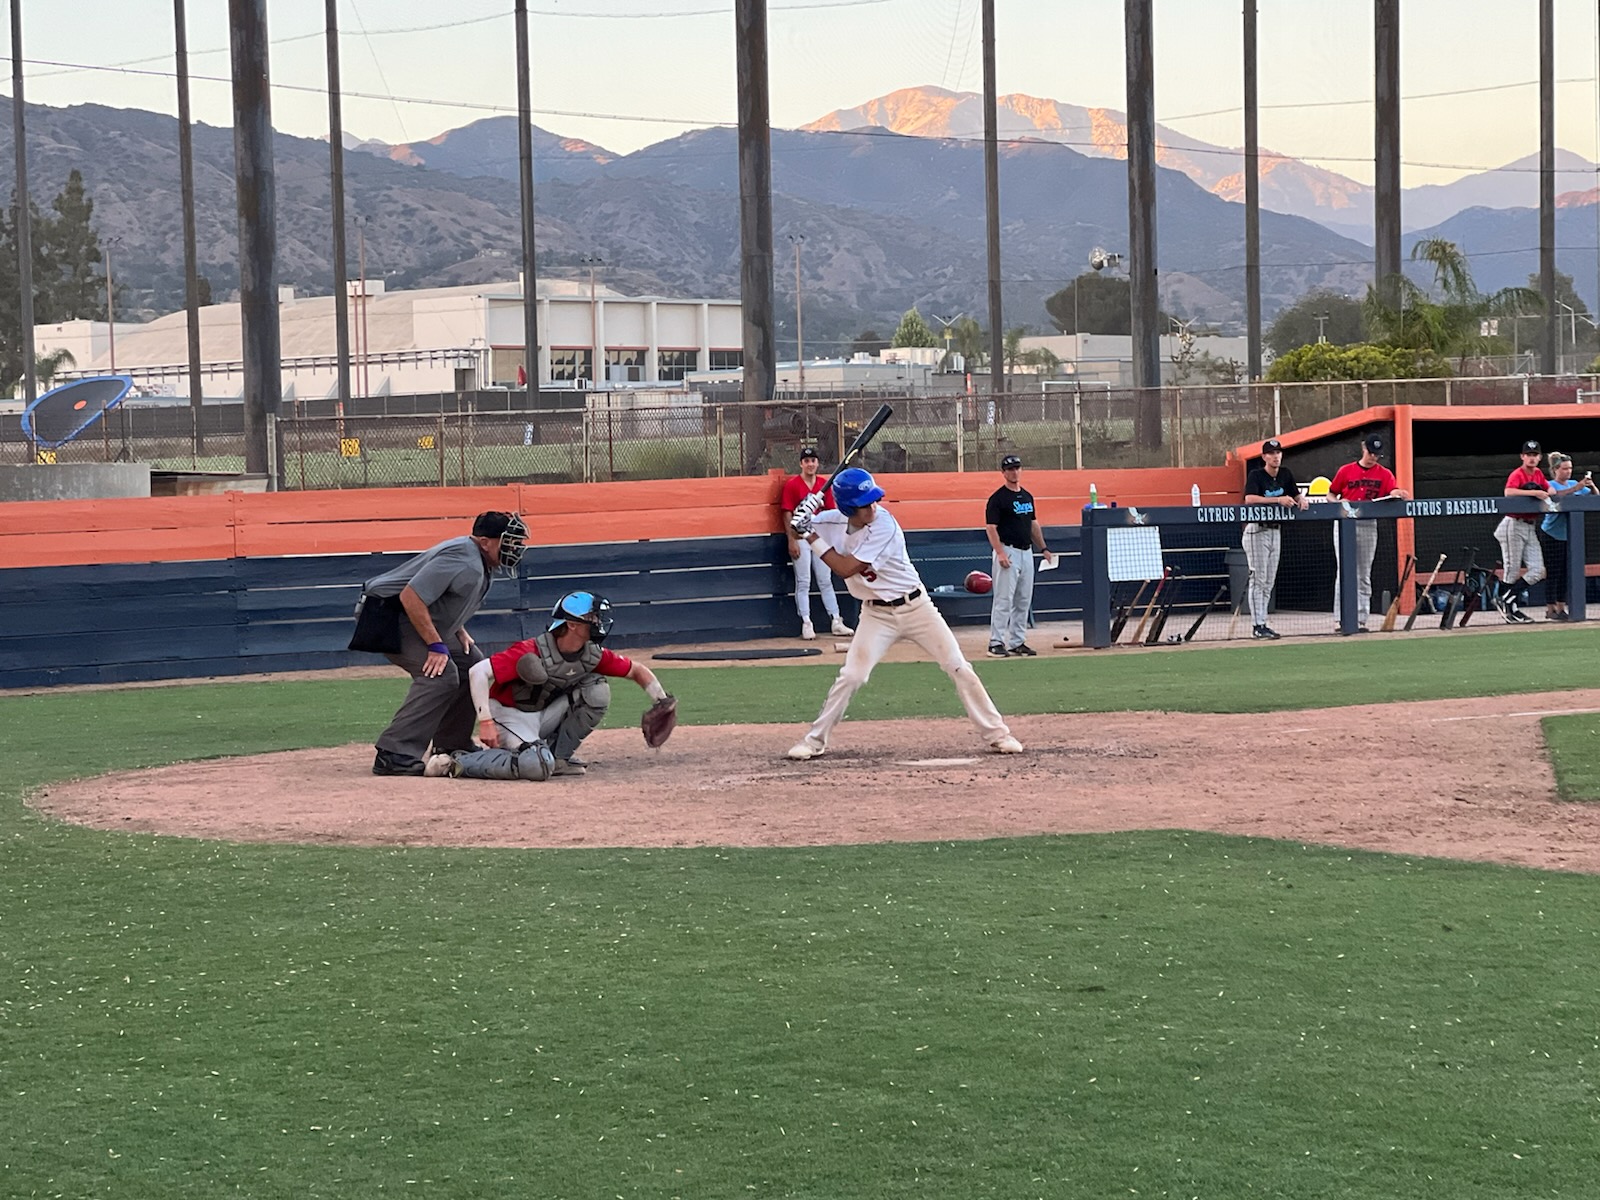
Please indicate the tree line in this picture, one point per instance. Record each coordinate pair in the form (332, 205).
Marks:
(69, 280)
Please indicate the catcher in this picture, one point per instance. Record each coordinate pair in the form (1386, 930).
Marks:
(539, 698)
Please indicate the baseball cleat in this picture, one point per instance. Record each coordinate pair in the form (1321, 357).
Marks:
(1006, 745)
(840, 629)
(808, 632)
(996, 650)
(1023, 650)
(565, 766)
(802, 751)
(1266, 633)
(438, 765)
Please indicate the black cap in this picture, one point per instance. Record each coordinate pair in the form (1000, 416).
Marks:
(1272, 446)
(1372, 443)
(1532, 447)
(808, 452)
(1009, 461)
(491, 524)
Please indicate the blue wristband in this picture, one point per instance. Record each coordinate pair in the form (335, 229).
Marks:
(438, 648)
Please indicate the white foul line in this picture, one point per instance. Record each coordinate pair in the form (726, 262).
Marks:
(1545, 712)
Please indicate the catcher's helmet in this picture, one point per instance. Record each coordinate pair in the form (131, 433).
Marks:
(979, 582)
(511, 531)
(854, 488)
(592, 609)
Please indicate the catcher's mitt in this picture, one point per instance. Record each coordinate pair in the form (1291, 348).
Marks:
(659, 720)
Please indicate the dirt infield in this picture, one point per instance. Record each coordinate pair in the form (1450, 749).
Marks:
(1460, 779)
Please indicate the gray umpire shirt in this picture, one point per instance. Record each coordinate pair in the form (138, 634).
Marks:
(451, 579)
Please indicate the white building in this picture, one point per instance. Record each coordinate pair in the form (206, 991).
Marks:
(432, 340)
(1107, 358)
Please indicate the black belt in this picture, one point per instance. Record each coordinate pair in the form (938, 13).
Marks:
(897, 601)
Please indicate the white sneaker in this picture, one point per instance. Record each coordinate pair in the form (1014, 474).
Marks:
(1006, 745)
(807, 632)
(840, 629)
(803, 750)
(438, 765)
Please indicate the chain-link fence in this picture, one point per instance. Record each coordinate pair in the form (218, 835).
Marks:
(573, 437)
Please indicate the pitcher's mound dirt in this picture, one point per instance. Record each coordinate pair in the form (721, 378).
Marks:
(1458, 779)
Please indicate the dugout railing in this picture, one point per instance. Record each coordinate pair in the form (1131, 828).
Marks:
(1188, 564)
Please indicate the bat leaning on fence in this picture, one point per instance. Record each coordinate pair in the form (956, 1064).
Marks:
(1204, 613)
(1394, 605)
(1170, 592)
(1426, 591)
(1155, 597)
(1120, 620)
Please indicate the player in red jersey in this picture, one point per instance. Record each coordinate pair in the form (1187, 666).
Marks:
(805, 557)
(1359, 481)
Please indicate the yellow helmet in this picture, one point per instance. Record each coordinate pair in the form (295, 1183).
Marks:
(1319, 486)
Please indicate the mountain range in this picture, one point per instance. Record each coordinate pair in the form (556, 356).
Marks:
(888, 198)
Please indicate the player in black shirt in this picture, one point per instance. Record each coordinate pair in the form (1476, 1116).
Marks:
(1014, 533)
(1269, 484)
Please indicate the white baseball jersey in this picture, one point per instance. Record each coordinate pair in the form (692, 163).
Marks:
(881, 545)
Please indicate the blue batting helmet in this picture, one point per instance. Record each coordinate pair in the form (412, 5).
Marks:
(592, 609)
(854, 488)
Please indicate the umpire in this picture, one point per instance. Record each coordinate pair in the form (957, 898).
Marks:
(427, 602)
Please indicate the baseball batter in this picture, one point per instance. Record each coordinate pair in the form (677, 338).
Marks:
(807, 562)
(537, 699)
(863, 545)
(1362, 480)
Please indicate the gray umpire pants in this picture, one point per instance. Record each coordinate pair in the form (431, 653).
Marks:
(1012, 598)
(437, 710)
(1262, 546)
(1366, 547)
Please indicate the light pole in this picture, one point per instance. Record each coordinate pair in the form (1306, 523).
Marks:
(111, 313)
(798, 239)
(1322, 323)
(593, 262)
(949, 330)
(1099, 260)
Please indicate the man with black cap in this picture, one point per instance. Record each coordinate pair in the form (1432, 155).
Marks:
(1357, 482)
(1517, 533)
(1012, 524)
(807, 562)
(437, 593)
(1269, 484)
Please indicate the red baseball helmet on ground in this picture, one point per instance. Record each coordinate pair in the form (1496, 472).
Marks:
(979, 583)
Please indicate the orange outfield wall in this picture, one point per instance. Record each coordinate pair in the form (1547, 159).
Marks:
(246, 524)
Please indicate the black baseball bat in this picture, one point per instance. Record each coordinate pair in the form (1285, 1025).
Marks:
(863, 440)
(1205, 612)
(1121, 619)
(1160, 623)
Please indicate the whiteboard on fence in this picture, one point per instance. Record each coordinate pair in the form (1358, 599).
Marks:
(1134, 554)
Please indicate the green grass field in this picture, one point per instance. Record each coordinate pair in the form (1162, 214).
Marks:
(1152, 1014)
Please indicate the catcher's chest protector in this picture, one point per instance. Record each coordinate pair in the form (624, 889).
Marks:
(563, 675)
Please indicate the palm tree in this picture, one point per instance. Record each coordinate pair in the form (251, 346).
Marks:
(1451, 325)
(46, 367)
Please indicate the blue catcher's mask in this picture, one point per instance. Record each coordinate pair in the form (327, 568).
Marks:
(592, 609)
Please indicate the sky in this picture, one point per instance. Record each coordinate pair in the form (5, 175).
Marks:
(626, 73)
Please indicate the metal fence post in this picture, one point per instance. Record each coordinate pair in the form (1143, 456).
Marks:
(439, 448)
(1077, 424)
(1524, 389)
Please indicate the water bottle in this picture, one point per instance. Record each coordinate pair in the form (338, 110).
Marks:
(1094, 497)
(1194, 495)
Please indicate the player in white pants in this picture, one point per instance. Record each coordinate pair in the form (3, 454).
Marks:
(865, 547)
(807, 562)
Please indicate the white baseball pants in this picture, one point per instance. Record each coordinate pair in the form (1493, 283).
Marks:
(810, 561)
(1520, 550)
(921, 622)
(1366, 548)
(1262, 546)
(1012, 599)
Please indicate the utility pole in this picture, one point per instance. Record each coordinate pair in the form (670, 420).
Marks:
(1547, 183)
(755, 224)
(111, 310)
(19, 140)
(1386, 147)
(1252, 200)
(530, 280)
(991, 203)
(191, 258)
(799, 319)
(1322, 321)
(592, 261)
(1143, 277)
(341, 285)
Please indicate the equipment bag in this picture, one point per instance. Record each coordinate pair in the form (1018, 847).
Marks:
(377, 625)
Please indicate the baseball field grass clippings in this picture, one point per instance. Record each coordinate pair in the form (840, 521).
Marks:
(1152, 1014)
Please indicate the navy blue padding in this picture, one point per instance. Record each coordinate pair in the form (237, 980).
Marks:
(128, 622)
